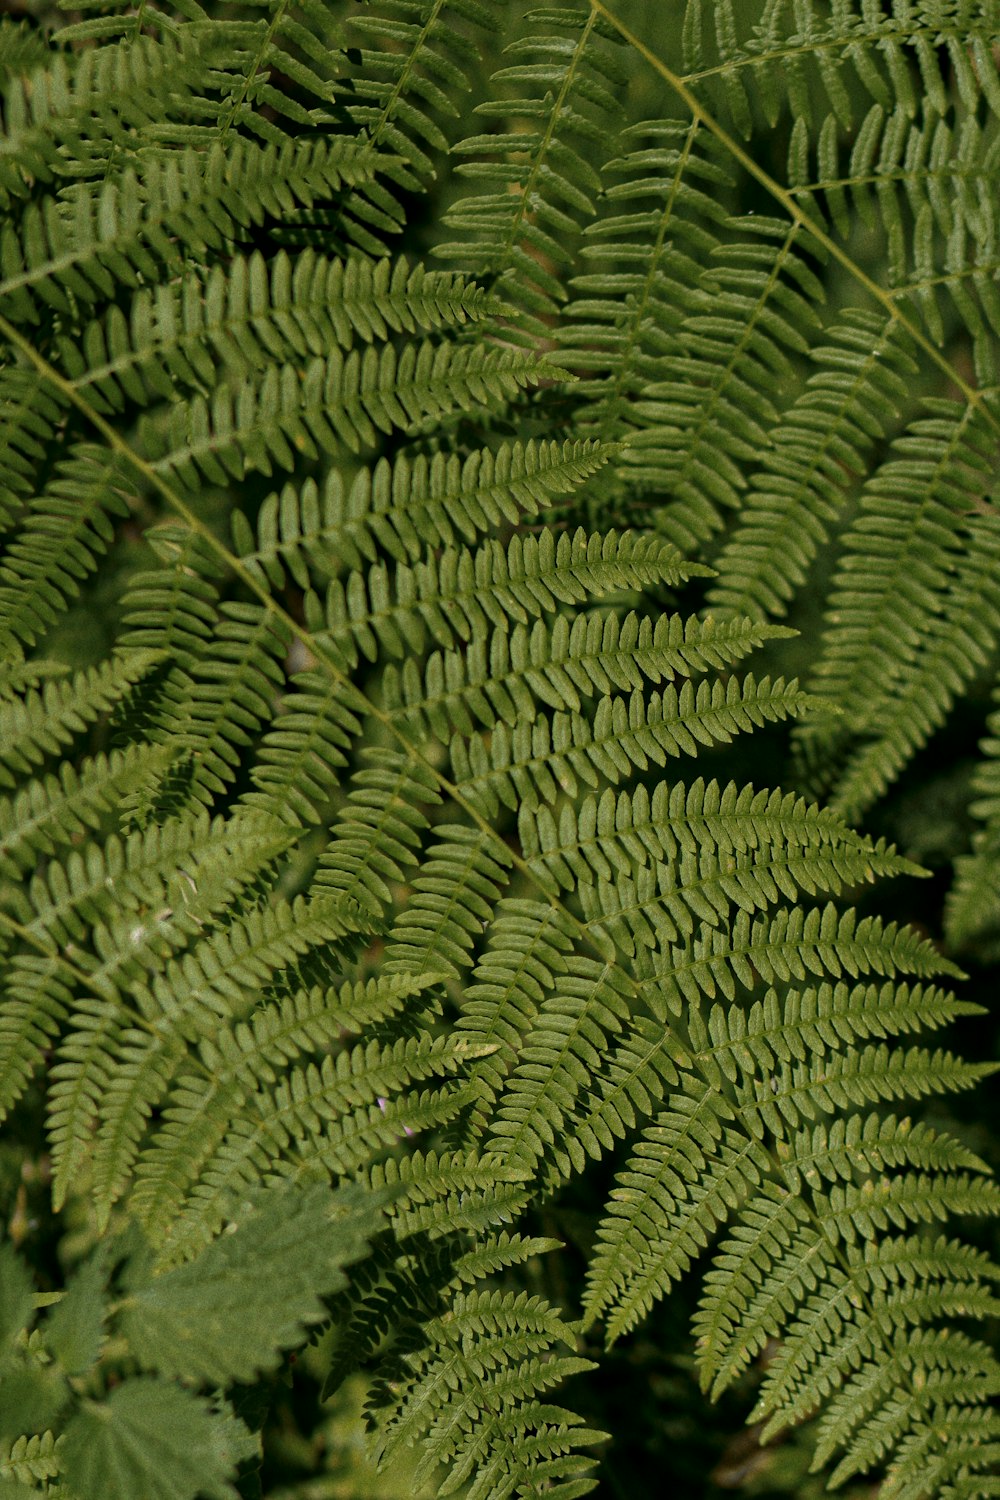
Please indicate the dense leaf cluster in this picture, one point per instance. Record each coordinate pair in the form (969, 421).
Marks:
(414, 417)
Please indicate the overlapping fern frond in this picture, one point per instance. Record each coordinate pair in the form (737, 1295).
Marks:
(384, 864)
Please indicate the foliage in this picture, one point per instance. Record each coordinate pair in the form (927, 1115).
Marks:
(415, 419)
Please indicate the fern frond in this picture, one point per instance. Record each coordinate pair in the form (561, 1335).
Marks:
(173, 608)
(819, 447)
(523, 763)
(62, 120)
(921, 183)
(230, 695)
(32, 411)
(793, 944)
(472, 1396)
(689, 1170)
(659, 906)
(956, 645)
(301, 754)
(74, 251)
(183, 870)
(902, 554)
(525, 956)
(708, 848)
(521, 224)
(500, 675)
(37, 997)
(756, 1078)
(377, 833)
(202, 1106)
(617, 831)
(181, 1005)
(563, 1050)
(242, 318)
(645, 255)
(457, 595)
(973, 909)
(461, 878)
(446, 1193)
(806, 59)
(38, 724)
(66, 530)
(30, 1460)
(280, 66)
(806, 1364)
(408, 86)
(22, 49)
(863, 1417)
(55, 809)
(448, 501)
(741, 1302)
(305, 1127)
(340, 401)
(710, 408)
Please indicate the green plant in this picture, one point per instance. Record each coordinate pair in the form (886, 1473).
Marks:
(396, 949)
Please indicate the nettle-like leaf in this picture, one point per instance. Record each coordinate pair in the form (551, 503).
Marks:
(227, 1315)
(400, 813)
(150, 1437)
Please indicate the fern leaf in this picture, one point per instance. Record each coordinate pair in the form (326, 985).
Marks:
(37, 996)
(457, 595)
(96, 236)
(973, 911)
(243, 318)
(562, 1050)
(497, 677)
(338, 400)
(533, 196)
(300, 755)
(711, 407)
(645, 255)
(906, 545)
(68, 529)
(445, 1193)
(473, 1395)
(525, 954)
(805, 59)
(797, 944)
(448, 501)
(408, 86)
(461, 878)
(53, 810)
(306, 1126)
(523, 763)
(956, 645)
(203, 1103)
(62, 119)
(38, 724)
(689, 1171)
(378, 830)
(823, 440)
(32, 411)
(182, 1004)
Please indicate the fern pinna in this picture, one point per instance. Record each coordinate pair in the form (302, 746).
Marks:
(370, 928)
